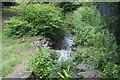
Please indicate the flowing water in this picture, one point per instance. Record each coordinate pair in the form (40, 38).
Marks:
(66, 46)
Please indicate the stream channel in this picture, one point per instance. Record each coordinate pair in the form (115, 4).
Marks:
(66, 46)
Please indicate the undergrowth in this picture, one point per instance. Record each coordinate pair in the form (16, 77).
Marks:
(91, 31)
(46, 19)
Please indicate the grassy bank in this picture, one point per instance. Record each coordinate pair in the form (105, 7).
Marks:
(12, 53)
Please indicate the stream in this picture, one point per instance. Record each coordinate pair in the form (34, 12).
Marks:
(66, 46)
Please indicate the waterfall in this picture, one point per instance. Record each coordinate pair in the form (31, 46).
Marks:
(66, 45)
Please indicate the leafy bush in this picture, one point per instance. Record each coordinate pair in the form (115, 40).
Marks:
(112, 70)
(69, 21)
(35, 19)
(64, 69)
(102, 50)
(88, 36)
(101, 59)
(46, 65)
(71, 6)
(87, 16)
(41, 63)
(16, 27)
(89, 29)
(89, 55)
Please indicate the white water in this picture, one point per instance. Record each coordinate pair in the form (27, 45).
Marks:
(66, 47)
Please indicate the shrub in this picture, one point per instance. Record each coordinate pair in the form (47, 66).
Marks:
(102, 51)
(64, 69)
(89, 29)
(16, 27)
(41, 63)
(71, 6)
(88, 36)
(46, 65)
(87, 16)
(69, 21)
(101, 59)
(111, 70)
(89, 55)
(35, 19)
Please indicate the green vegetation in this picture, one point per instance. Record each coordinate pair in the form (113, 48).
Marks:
(71, 6)
(47, 19)
(103, 61)
(35, 19)
(45, 64)
(41, 63)
(11, 54)
(64, 69)
(5, 10)
(90, 31)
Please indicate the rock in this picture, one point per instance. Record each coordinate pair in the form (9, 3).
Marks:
(30, 38)
(42, 43)
(20, 76)
(19, 68)
(25, 60)
(22, 44)
(89, 71)
(18, 47)
(85, 67)
(35, 43)
(80, 47)
(31, 51)
(89, 74)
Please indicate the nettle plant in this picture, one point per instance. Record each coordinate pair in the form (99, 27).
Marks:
(100, 59)
(40, 64)
(16, 27)
(90, 30)
(35, 19)
(64, 69)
